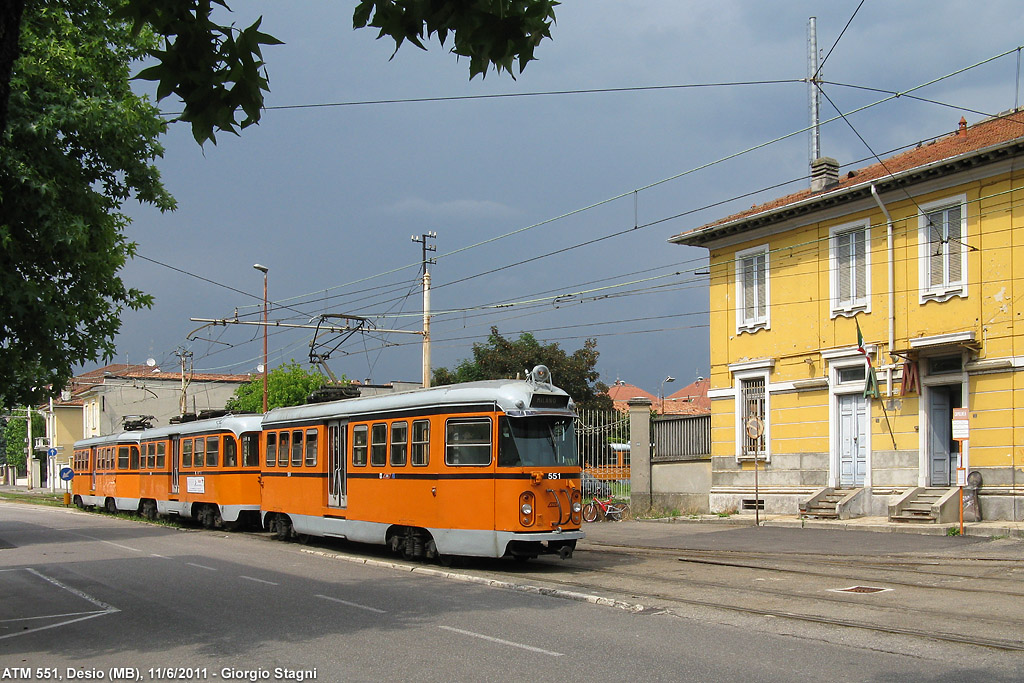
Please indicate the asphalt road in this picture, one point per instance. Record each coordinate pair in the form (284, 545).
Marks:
(87, 594)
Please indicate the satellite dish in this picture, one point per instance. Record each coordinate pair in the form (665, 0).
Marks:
(259, 368)
(151, 362)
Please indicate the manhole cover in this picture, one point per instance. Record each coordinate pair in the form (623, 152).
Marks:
(861, 589)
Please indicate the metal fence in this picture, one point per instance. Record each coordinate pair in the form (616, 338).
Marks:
(602, 437)
(681, 437)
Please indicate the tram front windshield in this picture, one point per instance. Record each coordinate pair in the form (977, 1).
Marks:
(547, 440)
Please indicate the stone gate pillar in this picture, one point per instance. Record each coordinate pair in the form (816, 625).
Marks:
(640, 454)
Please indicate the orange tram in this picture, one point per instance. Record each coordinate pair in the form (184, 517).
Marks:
(485, 469)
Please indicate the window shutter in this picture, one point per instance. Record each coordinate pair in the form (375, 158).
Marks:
(843, 267)
(748, 289)
(936, 250)
(860, 264)
(954, 247)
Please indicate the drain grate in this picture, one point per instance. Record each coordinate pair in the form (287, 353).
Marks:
(861, 589)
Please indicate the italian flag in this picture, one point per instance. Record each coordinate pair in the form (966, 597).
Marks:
(871, 381)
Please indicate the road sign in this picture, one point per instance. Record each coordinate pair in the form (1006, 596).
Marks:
(961, 424)
(67, 474)
(52, 452)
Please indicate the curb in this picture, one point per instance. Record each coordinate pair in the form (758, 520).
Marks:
(974, 529)
(483, 581)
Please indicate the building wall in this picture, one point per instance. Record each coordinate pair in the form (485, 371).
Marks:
(108, 403)
(803, 331)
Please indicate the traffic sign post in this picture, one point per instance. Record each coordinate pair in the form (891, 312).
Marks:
(961, 432)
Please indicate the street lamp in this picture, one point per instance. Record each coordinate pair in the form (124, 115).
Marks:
(661, 391)
(264, 269)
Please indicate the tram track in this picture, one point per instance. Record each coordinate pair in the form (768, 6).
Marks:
(860, 624)
(735, 559)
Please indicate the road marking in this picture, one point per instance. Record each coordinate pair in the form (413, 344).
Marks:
(352, 604)
(201, 566)
(502, 642)
(253, 578)
(116, 545)
(104, 607)
(162, 557)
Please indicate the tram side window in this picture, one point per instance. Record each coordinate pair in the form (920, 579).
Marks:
(420, 443)
(468, 441)
(271, 449)
(282, 449)
(230, 451)
(212, 451)
(311, 442)
(161, 454)
(135, 458)
(122, 457)
(250, 449)
(150, 456)
(359, 444)
(297, 448)
(199, 453)
(379, 444)
(399, 443)
(186, 453)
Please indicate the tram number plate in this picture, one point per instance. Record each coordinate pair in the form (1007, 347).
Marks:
(554, 475)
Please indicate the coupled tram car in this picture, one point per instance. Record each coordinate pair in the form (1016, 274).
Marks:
(482, 469)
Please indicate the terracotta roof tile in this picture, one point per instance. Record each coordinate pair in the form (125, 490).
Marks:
(988, 133)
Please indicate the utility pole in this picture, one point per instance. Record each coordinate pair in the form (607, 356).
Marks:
(28, 460)
(183, 355)
(423, 240)
(266, 394)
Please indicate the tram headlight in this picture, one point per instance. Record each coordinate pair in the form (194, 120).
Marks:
(527, 508)
(577, 507)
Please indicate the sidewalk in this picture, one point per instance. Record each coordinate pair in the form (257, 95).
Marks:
(986, 529)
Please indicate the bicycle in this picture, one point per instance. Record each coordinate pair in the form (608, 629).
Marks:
(609, 510)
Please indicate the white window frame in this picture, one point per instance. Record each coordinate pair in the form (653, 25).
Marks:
(951, 249)
(755, 322)
(744, 372)
(856, 302)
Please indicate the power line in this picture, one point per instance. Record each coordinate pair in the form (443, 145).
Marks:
(494, 96)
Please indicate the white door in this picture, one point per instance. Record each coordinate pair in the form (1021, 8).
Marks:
(852, 439)
(336, 455)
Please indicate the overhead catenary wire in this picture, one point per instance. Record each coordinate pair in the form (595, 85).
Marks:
(634, 192)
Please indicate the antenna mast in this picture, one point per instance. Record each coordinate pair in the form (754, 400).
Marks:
(813, 96)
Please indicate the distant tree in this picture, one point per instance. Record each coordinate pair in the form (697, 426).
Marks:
(287, 385)
(79, 143)
(15, 434)
(218, 70)
(502, 358)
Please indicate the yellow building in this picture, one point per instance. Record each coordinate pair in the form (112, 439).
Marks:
(922, 254)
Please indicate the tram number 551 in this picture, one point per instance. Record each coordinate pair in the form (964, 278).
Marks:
(554, 475)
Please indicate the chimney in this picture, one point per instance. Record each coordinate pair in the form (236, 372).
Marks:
(824, 174)
(963, 127)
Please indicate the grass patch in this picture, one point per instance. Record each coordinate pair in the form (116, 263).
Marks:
(51, 499)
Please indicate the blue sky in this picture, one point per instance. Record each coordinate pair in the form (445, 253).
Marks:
(328, 197)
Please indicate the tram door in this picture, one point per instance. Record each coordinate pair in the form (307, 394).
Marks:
(93, 457)
(337, 485)
(175, 462)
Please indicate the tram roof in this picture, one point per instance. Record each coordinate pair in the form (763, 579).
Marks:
(510, 396)
(236, 424)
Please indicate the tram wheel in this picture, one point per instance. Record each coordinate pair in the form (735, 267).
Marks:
(110, 506)
(149, 509)
(282, 528)
(78, 503)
